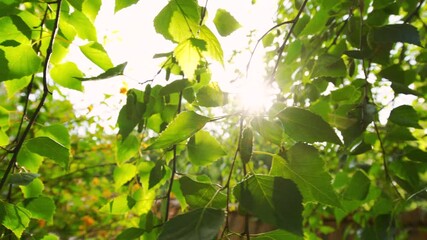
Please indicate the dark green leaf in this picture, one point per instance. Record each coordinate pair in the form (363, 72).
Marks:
(415, 154)
(405, 115)
(181, 128)
(225, 23)
(10, 29)
(358, 187)
(204, 149)
(303, 125)
(329, 66)
(22, 178)
(200, 224)
(317, 23)
(305, 167)
(121, 4)
(131, 113)
(246, 145)
(97, 54)
(14, 218)
(41, 208)
(274, 200)
(130, 233)
(49, 148)
(199, 195)
(112, 72)
(277, 235)
(157, 173)
(404, 33)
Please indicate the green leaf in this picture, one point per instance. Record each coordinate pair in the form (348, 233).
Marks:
(49, 148)
(56, 132)
(16, 85)
(112, 72)
(246, 145)
(126, 149)
(66, 75)
(211, 96)
(293, 51)
(14, 218)
(277, 235)
(17, 62)
(316, 24)
(123, 174)
(22, 179)
(199, 195)
(213, 47)
(181, 128)
(174, 87)
(41, 208)
(119, 205)
(269, 130)
(29, 160)
(303, 125)
(225, 23)
(393, 33)
(405, 115)
(178, 20)
(33, 189)
(13, 28)
(203, 149)
(274, 200)
(91, 8)
(4, 138)
(157, 173)
(329, 66)
(358, 188)
(97, 54)
(347, 94)
(131, 113)
(121, 4)
(83, 26)
(307, 169)
(50, 236)
(199, 224)
(188, 55)
(130, 233)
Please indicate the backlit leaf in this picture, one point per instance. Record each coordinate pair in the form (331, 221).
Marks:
(188, 55)
(269, 130)
(213, 47)
(204, 149)
(181, 128)
(97, 54)
(199, 224)
(211, 96)
(16, 85)
(66, 75)
(329, 66)
(17, 62)
(405, 115)
(33, 189)
(225, 23)
(41, 208)
(14, 218)
(49, 148)
(123, 174)
(317, 23)
(126, 149)
(303, 125)
(121, 4)
(178, 20)
(274, 200)
(304, 166)
(119, 205)
(83, 26)
(29, 160)
(109, 73)
(199, 195)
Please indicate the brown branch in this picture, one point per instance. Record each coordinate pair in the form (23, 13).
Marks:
(18, 147)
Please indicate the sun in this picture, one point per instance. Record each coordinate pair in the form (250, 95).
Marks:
(254, 96)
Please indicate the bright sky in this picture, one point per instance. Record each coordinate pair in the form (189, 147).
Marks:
(129, 36)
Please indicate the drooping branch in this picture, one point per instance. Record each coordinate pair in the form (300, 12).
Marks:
(46, 92)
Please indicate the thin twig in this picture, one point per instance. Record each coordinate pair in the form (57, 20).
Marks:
(288, 35)
(414, 13)
(42, 100)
